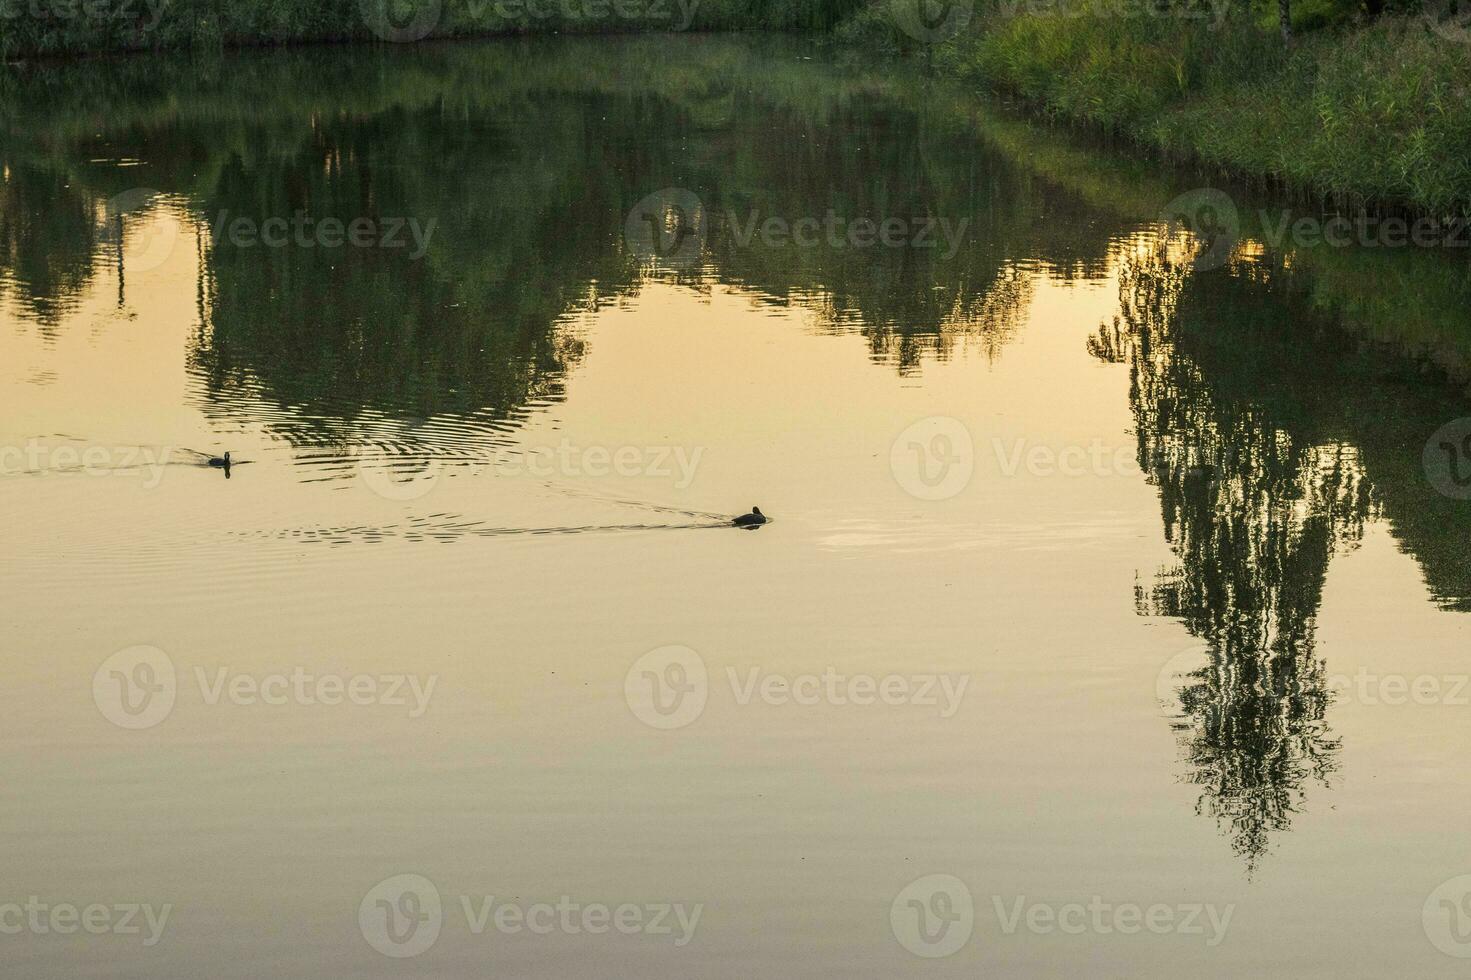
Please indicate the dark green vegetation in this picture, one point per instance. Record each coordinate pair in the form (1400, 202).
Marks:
(1372, 112)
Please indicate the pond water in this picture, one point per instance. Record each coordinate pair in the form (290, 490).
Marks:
(1110, 619)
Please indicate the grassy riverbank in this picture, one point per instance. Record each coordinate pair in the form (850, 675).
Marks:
(1361, 112)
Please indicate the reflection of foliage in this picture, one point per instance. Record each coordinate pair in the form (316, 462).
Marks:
(474, 325)
(529, 176)
(1253, 732)
(988, 322)
(47, 242)
(1255, 502)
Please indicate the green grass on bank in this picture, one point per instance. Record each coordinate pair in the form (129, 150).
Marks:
(1360, 111)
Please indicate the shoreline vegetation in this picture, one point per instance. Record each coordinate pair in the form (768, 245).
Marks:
(1359, 111)
(1368, 107)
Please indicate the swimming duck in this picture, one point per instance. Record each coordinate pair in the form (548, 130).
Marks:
(220, 461)
(753, 519)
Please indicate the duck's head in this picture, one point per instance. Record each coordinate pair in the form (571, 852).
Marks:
(757, 511)
(227, 456)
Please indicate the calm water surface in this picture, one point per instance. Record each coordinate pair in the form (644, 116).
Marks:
(1137, 557)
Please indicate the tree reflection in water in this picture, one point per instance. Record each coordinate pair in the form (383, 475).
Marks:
(1255, 497)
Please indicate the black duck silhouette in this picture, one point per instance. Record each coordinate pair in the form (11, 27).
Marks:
(751, 520)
